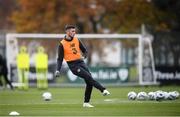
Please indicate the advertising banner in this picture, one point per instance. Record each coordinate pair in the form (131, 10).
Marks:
(101, 74)
(168, 75)
(32, 76)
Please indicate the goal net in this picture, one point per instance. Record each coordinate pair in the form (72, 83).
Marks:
(112, 58)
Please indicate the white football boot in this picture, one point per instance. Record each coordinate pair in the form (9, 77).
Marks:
(105, 92)
(87, 105)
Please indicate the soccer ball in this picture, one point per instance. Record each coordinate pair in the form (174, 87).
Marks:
(132, 95)
(166, 95)
(151, 95)
(142, 96)
(177, 94)
(47, 96)
(173, 95)
(159, 95)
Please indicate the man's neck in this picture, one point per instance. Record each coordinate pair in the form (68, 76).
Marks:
(68, 38)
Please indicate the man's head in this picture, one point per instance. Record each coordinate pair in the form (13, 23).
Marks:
(70, 30)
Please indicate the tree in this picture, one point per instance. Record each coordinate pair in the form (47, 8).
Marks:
(172, 9)
(169, 40)
(166, 47)
(6, 8)
(37, 16)
(129, 15)
(93, 16)
(51, 16)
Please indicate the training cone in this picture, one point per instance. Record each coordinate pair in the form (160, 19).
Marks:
(14, 113)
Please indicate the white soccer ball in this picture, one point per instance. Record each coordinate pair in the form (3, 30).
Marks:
(142, 96)
(151, 95)
(47, 96)
(177, 94)
(166, 95)
(173, 95)
(132, 95)
(159, 95)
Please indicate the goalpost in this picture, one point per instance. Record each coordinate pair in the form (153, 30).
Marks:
(13, 39)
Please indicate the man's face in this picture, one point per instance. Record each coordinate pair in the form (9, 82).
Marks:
(71, 32)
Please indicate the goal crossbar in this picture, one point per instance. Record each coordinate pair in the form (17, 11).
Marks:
(55, 36)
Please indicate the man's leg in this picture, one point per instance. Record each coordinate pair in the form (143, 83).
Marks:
(7, 81)
(88, 92)
(81, 72)
(84, 66)
(87, 96)
(1, 84)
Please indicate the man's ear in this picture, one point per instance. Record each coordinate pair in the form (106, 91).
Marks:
(67, 30)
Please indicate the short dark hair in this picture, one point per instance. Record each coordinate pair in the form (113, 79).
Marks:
(69, 27)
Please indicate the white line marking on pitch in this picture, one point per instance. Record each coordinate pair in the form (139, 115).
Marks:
(113, 100)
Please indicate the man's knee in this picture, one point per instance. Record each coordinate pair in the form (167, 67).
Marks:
(88, 85)
(75, 73)
(90, 81)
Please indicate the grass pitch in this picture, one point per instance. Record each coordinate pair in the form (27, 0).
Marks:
(68, 102)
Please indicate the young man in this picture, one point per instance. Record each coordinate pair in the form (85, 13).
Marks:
(4, 71)
(70, 48)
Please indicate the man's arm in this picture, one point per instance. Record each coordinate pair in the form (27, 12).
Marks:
(59, 59)
(83, 49)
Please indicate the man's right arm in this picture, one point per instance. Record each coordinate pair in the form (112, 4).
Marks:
(59, 59)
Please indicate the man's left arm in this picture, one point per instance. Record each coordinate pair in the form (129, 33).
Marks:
(83, 49)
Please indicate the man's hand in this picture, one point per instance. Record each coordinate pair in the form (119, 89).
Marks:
(85, 55)
(57, 74)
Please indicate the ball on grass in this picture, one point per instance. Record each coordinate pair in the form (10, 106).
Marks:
(132, 95)
(142, 96)
(47, 96)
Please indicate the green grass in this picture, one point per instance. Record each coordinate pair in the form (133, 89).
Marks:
(68, 102)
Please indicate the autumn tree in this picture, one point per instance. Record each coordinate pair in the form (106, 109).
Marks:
(172, 9)
(51, 16)
(93, 16)
(37, 16)
(6, 8)
(167, 43)
(129, 15)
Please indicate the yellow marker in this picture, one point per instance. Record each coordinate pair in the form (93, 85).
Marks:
(41, 68)
(23, 68)
(41, 59)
